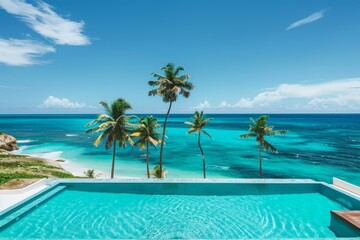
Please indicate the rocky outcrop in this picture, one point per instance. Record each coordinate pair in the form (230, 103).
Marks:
(8, 142)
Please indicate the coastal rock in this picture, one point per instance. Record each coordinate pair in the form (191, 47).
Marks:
(8, 142)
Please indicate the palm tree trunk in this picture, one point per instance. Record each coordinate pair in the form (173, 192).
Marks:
(260, 160)
(203, 157)
(163, 138)
(113, 160)
(147, 159)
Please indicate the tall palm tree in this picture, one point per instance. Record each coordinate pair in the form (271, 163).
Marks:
(169, 86)
(114, 126)
(260, 129)
(197, 127)
(146, 133)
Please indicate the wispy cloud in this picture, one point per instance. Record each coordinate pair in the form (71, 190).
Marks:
(336, 96)
(42, 19)
(312, 18)
(22, 52)
(54, 102)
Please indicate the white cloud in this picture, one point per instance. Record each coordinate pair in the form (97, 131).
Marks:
(312, 18)
(244, 103)
(336, 96)
(42, 19)
(207, 105)
(22, 52)
(224, 104)
(54, 102)
(203, 105)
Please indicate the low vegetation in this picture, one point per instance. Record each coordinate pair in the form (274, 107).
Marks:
(19, 170)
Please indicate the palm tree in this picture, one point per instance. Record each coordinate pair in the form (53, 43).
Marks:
(90, 173)
(114, 125)
(169, 86)
(197, 128)
(156, 172)
(146, 133)
(260, 129)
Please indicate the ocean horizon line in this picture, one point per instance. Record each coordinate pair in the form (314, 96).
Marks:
(208, 113)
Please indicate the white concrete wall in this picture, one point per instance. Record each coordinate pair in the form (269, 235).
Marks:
(37, 184)
(9, 198)
(346, 186)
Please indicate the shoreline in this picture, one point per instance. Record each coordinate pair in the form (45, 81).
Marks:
(69, 166)
(78, 169)
(74, 168)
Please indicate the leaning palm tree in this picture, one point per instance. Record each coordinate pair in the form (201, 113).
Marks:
(169, 86)
(114, 126)
(197, 127)
(147, 133)
(260, 129)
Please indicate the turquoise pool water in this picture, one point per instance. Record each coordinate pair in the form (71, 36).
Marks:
(180, 211)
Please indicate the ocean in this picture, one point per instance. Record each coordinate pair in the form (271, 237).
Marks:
(317, 146)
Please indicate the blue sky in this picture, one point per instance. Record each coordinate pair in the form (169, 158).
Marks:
(243, 56)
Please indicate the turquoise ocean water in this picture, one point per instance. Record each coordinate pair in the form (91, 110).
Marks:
(318, 146)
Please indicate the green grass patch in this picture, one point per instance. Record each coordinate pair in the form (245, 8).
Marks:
(11, 156)
(26, 164)
(5, 177)
(62, 174)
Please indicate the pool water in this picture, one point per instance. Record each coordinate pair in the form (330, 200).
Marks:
(77, 212)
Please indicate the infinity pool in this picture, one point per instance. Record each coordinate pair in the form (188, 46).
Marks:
(177, 210)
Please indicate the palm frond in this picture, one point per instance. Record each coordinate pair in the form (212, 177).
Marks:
(100, 138)
(106, 107)
(153, 141)
(136, 134)
(91, 123)
(192, 130)
(206, 133)
(189, 123)
(268, 146)
(178, 70)
(153, 92)
(247, 135)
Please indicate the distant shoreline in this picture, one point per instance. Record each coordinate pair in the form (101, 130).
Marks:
(184, 113)
(69, 166)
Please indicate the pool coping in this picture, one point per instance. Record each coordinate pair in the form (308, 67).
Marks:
(179, 180)
(52, 183)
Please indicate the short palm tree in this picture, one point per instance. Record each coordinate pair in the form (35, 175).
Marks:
(147, 133)
(169, 86)
(197, 127)
(156, 172)
(114, 126)
(90, 173)
(260, 129)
